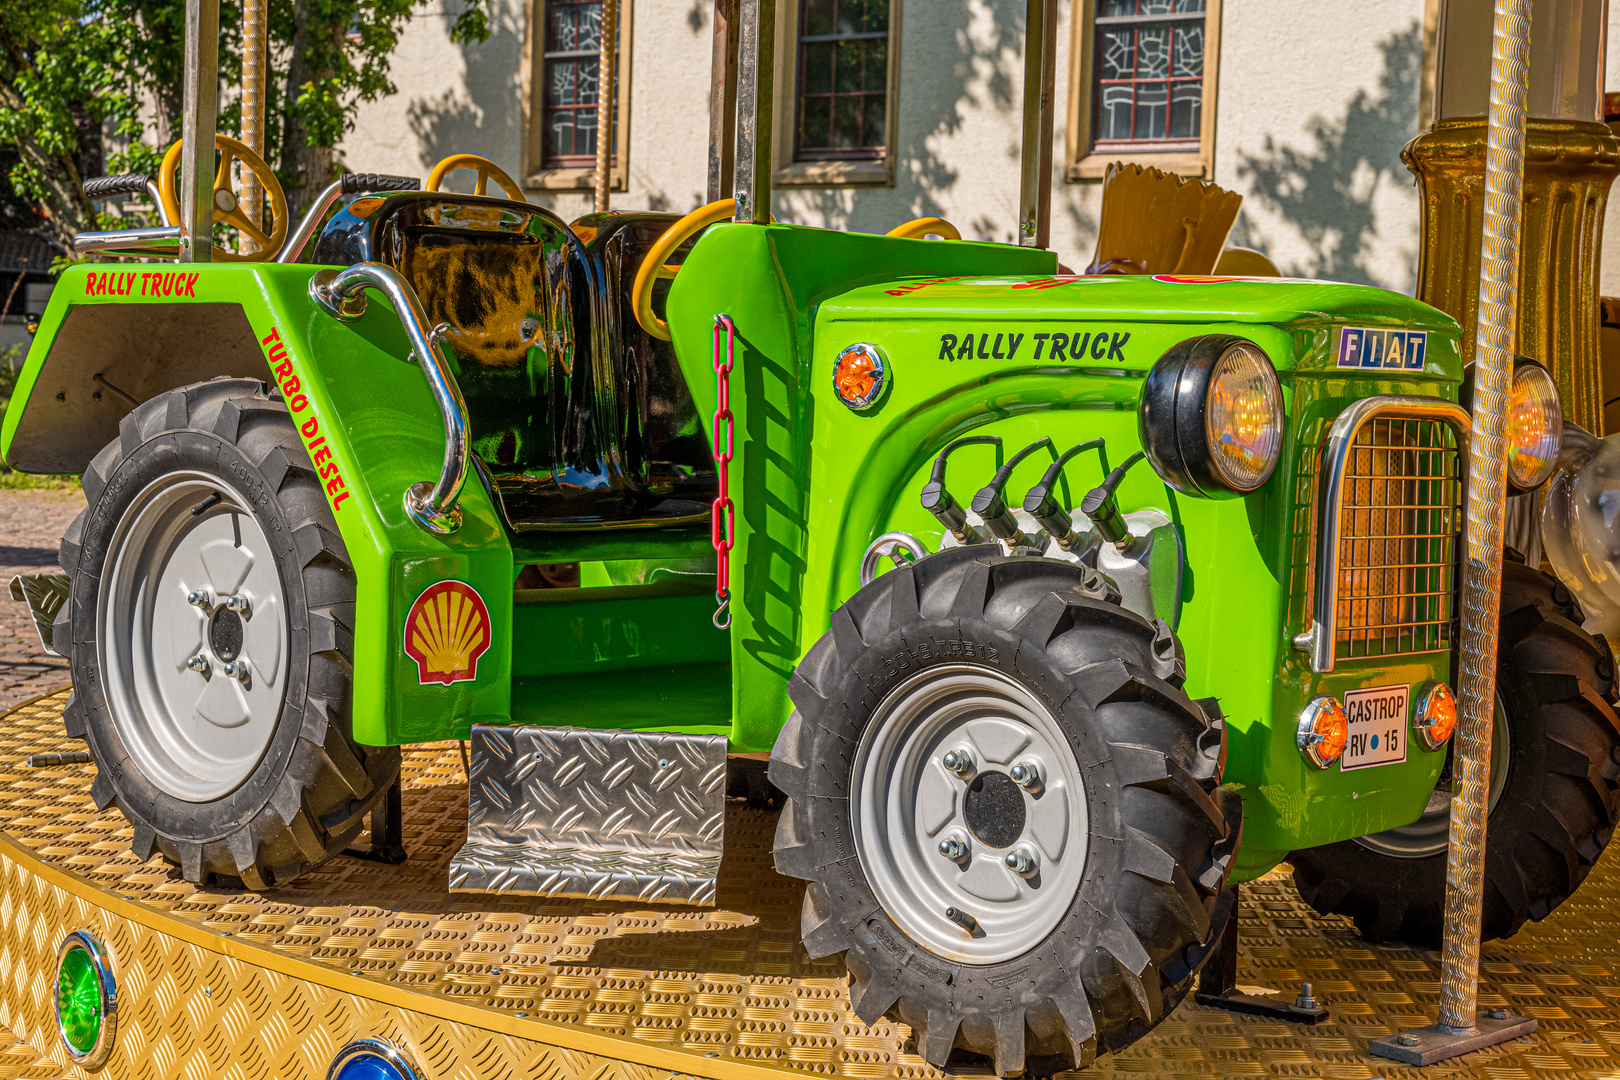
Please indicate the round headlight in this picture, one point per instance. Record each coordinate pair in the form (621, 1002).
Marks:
(1535, 425)
(1243, 418)
(1212, 416)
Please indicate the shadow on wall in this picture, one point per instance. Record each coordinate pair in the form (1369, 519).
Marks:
(1329, 193)
(483, 115)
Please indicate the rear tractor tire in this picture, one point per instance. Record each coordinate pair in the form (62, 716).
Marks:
(1554, 792)
(1006, 809)
(208, 630)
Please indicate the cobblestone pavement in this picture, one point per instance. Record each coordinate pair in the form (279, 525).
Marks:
(31, 526)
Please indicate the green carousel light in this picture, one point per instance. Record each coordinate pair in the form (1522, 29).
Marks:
(78, 1000)
(86, 999)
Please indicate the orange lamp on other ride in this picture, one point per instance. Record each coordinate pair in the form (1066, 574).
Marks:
(1324, 730)
(1435, 716)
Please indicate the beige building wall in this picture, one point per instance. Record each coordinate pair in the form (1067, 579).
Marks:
(1314, 101)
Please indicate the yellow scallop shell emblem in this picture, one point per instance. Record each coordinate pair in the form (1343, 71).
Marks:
(446, 632)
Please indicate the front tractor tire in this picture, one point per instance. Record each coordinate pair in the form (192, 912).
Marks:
(1554, 792)
(1006, 809)
(209, 634)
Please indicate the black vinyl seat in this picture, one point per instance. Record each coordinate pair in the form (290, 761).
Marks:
(578, 415)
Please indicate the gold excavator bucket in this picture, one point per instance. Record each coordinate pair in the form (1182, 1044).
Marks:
(1156, 222)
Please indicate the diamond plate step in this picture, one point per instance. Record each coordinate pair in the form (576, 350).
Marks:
(576, 812)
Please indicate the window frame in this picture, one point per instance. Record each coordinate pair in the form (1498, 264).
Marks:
(786, 170)
(1082, 159)
(537, 175)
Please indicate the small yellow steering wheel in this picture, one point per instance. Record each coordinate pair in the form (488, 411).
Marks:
(653, 267)
(485, 169)
(918, 228)
(227, 205)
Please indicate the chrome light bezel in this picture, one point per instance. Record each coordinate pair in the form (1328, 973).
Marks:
(1175, 403)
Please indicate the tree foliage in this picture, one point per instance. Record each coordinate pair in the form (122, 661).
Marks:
(78, 75)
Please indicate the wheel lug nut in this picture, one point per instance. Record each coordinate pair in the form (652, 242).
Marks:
(240, 605)
(959, 762)
(1026, 774)
(237, 669)
(1022, 862)
(953, 849)
(199, 599)
(198, 664)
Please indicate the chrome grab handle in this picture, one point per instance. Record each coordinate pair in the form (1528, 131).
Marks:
(1320, 639)
(160, 241)
(342, 293)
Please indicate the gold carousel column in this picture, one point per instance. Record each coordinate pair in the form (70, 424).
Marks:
(1568, 167)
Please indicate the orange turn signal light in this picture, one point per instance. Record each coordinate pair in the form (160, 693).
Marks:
(1324, 729)
(1435, 717)
(859, 376)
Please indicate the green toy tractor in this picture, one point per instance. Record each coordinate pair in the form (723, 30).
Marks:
(1039, 591)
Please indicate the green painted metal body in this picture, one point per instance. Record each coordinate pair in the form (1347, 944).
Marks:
(816, 482)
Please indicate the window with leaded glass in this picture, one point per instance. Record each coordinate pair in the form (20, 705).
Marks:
(843, 85)
(572, 51)
(1148, 69)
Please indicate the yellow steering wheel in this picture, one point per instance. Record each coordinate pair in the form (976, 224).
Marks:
(918, 228)
(653, 268)
(486, 170)
(227, 205)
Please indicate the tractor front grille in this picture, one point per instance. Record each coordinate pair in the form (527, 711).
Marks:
(1399, 520)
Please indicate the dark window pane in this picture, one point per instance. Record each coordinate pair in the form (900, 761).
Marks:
(877, 65)
(1186, 101)
(1189, 51)
(1155, 7)
(561, 29)
(1115, 112)
(1153, 52)
(1152, 100)
(1116, 54)
(562, 83)
(813, 132)
(843, 83)
(818, 17)
(1106, 8)
(872, 128)
(848, 75)
(818, 68)
(846, 121)
(1189, 5)
(849, 17)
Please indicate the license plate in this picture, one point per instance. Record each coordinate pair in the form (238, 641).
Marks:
(1377, 717)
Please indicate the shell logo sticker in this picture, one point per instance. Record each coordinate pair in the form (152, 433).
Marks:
(446, 632)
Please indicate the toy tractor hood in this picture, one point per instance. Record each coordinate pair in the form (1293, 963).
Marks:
(1111, 316)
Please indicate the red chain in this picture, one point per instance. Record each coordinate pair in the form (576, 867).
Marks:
(723, 519)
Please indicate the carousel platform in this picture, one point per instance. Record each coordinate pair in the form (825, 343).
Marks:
(224, 983)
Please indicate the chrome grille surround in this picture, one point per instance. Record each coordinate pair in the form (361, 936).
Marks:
(1389, 519)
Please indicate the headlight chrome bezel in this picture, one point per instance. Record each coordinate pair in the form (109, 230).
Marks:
(1175, 407)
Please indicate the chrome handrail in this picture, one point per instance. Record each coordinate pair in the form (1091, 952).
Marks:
(342, 293)
(312, 219)
(1320, 640)
(158, 241)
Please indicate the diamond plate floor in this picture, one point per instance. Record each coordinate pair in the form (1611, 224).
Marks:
(729, 983)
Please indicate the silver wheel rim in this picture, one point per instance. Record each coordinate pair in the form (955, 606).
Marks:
(197, 735)
(1429, 834)
(904, 802)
